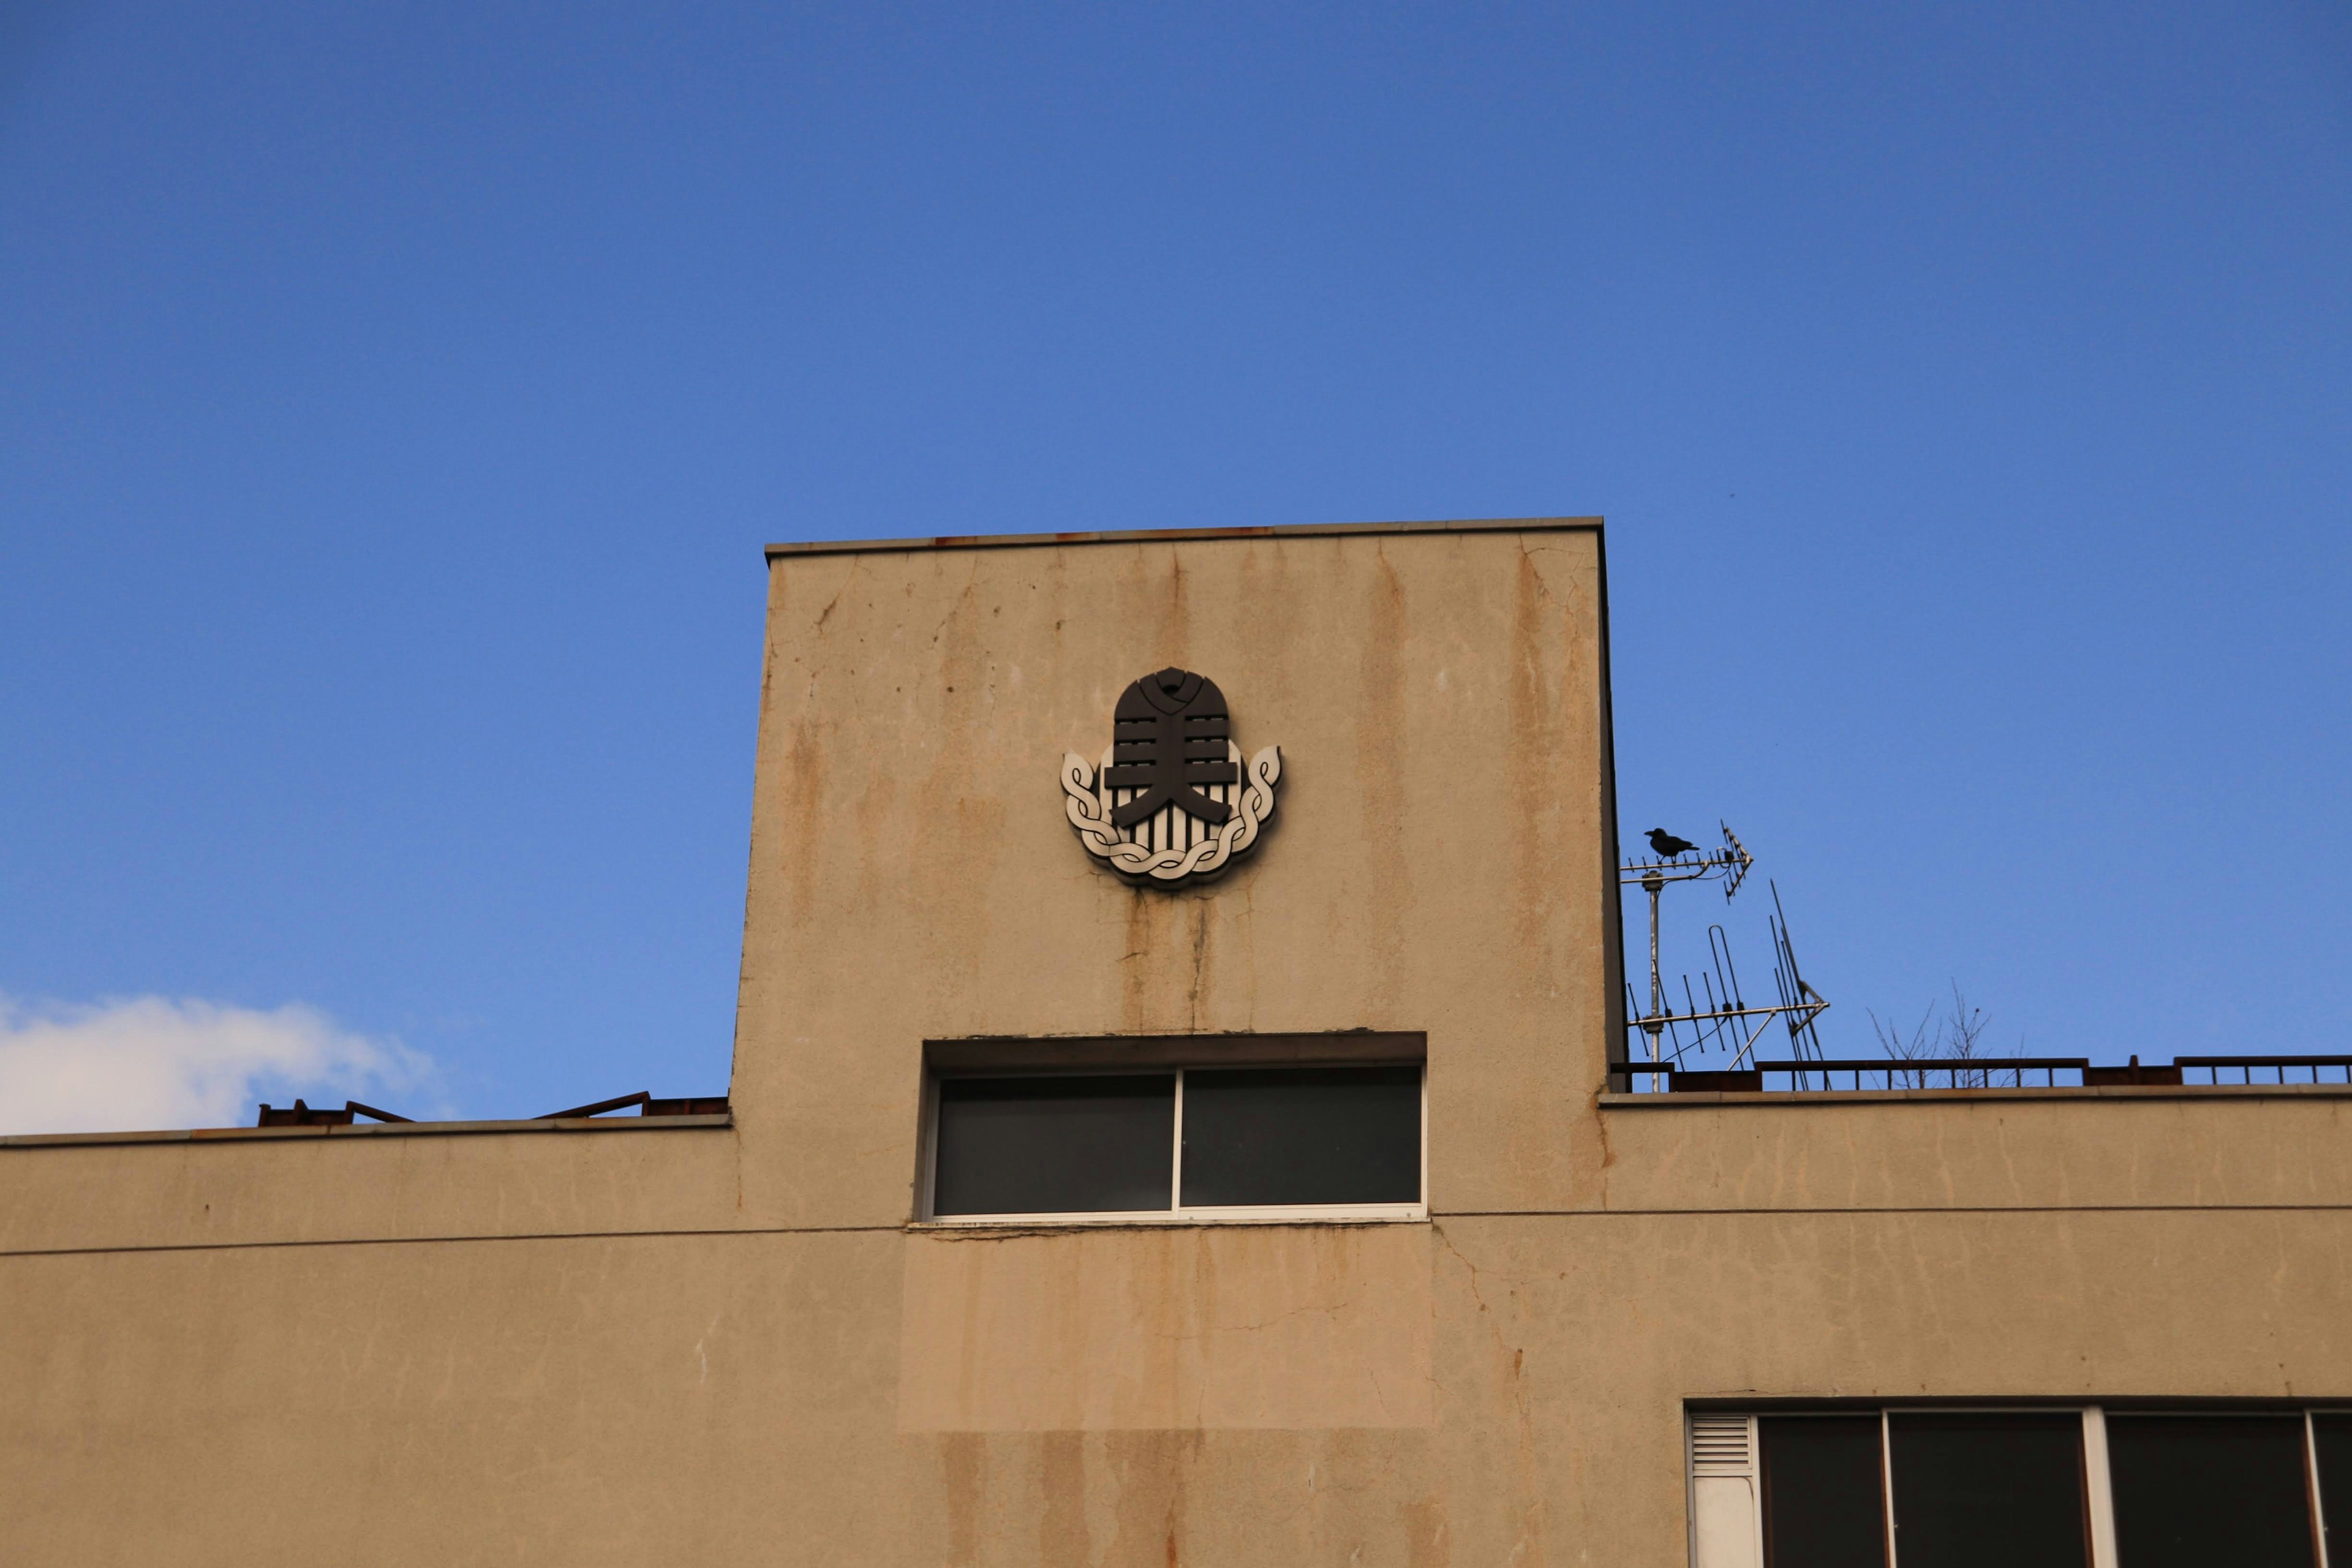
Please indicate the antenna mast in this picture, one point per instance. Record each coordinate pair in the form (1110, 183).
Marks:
(1727, 1020)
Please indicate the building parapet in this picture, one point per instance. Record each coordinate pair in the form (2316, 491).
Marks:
(346, 1130)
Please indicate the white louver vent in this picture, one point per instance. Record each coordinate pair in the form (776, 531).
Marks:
(1720, 1446)
(1727, 1527)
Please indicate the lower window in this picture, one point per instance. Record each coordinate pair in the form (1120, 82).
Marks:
(2085, 1487)
(1180, 1143)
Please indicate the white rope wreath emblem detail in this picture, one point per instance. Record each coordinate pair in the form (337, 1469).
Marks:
(1090, 807)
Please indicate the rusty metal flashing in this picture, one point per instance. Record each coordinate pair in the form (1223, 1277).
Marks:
(356, 1130)
(303, 1115)
(1175, 535)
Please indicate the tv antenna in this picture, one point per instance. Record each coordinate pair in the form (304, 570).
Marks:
(1727, 1022)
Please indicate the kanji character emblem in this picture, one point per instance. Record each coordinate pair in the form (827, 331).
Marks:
(1173, 801)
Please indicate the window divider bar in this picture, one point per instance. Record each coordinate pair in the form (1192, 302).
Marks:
(1756, 1487)
(927, 1169)
(2311, 1483)
(2099, 1490)
(1176, 1151)
(1887, 1481)
(1424, 1139)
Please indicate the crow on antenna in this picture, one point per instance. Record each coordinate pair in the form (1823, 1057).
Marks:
(1668, 845)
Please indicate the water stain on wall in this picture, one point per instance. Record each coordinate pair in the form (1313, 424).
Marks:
(1168, 1328)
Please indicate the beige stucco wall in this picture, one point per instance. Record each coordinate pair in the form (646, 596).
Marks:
(1436, 861)
(726, 1343)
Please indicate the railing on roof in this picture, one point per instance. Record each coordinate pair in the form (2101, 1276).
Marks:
(2282, 1069)
(1851, 1075)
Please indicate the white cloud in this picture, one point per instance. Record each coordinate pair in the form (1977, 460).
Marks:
(144, 1062)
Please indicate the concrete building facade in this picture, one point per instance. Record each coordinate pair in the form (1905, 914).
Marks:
(756, 1335)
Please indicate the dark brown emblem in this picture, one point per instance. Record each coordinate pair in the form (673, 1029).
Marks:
(1173, 801)
(1170, 733)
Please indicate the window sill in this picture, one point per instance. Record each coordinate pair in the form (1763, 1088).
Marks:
(371, 1130)
(1297, 1214)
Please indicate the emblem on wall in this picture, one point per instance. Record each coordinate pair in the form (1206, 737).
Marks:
(1173, 801)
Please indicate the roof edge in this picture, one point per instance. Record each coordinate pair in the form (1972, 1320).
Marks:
(1160, 535)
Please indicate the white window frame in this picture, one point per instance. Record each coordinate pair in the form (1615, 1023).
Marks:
(1175, 1213)
(1731, 1533)
(2311, 1479)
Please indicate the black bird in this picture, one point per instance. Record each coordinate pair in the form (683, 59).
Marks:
(1668, 845)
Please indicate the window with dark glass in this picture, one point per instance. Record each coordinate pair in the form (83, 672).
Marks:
(1974, 1490)
(1346, 1137)
(1053, 1144)
(2331, 1453)
(1824, 1487)
(2071, 1487)
(1270, 1136)
(2195, 1490)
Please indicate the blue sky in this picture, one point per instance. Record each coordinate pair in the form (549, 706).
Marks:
(394, 400)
